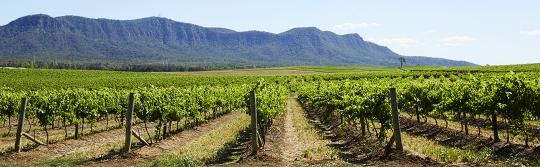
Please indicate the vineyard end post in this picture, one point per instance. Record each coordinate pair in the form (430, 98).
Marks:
(253, 110)
(395, 116)
(129, 115)
(20, 124)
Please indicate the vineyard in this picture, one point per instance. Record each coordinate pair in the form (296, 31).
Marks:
(514, 97)
(471, 116)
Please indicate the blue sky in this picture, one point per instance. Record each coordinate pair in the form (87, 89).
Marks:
(480, 31)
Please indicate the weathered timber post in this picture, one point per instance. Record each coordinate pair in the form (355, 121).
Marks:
(33, 139)
(77, 130)
(138, 136)
(20, 124)
(395, 116)
(253, 110)
(494, 126)
(129, 116)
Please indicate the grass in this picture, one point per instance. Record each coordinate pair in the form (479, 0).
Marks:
(59, 136)
(453, 155)
(482, 156)
(62, 161)
(88, 153)
(484, 131)
(205, 147)
(83, 156)
(80, 157)
(316, 147)
(442, 153)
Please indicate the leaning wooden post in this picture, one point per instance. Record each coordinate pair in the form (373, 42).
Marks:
(33, 139)
(253, 110)
(20, 125)
(395, 115)
(129, 115)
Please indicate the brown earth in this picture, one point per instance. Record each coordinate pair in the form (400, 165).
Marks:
(62, 148)
(55, 135)
(532, 128)
(501, 151)
(169, 145)
(284, 149)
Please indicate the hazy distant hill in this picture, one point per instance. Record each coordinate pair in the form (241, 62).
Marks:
(163, 41)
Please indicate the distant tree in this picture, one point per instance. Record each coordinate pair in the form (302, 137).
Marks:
(402, 61)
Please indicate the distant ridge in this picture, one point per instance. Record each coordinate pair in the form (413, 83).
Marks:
(161, 41)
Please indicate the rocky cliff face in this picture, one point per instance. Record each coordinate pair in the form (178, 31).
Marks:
(154, 39)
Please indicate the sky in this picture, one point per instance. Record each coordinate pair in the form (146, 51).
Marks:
(490, 32)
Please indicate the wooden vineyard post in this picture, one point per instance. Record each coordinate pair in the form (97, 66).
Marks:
(129, 115)
(395, 116)
(138, 136)
(253, 110)
(33, 139)
(20, 125)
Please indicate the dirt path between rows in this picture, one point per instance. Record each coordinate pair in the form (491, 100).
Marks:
(296, 139)
(288, 140)
(169, 145)
(450, 137)
(55, 135)
(292, 149)
(104, 146)
(67, 147)
(354, 150)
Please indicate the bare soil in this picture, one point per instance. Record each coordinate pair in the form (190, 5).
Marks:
(365, 151)
(502, 151)
(171, 144)
(293, 147)
(283, 148)
(66, 147)
(271, 153)
(532, 129)
(55, 135)
(104, 148)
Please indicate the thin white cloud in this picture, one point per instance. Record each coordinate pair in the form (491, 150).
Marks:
(399, 42)
(354, 26)
(456, 40)
(530, 32)
(429, 32)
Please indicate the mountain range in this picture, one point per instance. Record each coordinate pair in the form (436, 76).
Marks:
(161, 41)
